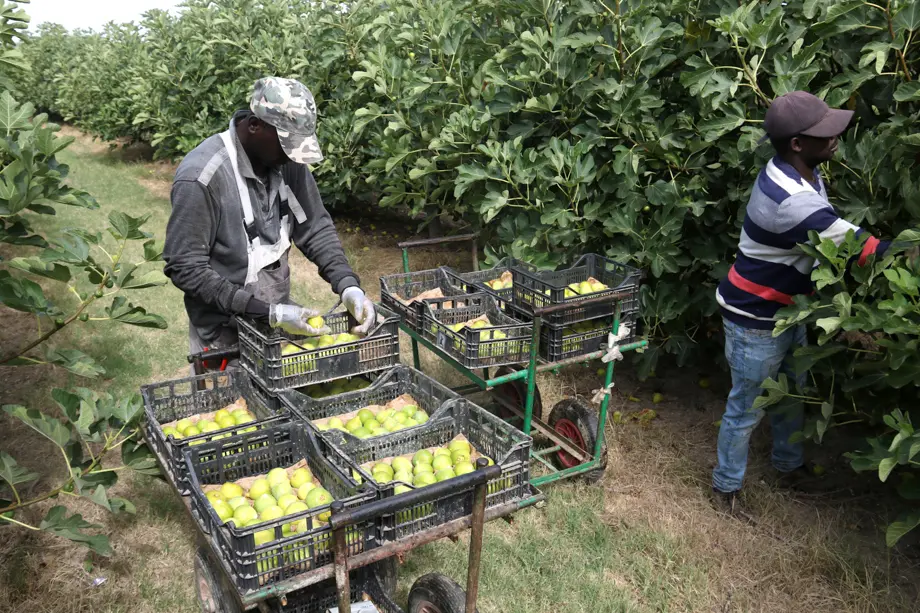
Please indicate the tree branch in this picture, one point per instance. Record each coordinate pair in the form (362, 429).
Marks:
(898, 52)
(18, 523)
(43, 337)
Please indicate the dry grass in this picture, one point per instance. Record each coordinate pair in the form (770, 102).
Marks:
(646, 539)
(803, 554)
(41, 573)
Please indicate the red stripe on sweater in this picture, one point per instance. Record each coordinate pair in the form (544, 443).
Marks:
(868, 249)
(767, 293)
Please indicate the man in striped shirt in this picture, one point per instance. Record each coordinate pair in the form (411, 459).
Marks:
(788, 201)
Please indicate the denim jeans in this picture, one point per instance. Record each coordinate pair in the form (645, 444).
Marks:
(753, 355)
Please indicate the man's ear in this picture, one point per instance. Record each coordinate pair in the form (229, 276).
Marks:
(254, 124)
(795, 144)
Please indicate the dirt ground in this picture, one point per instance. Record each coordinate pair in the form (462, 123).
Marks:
(817, 553)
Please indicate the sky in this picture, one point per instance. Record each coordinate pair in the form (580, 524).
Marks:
(91, 13)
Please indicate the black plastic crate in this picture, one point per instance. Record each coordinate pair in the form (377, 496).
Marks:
(252, 566)
(323, 596)
(428, 393)
(475, 281)
(406, 286)
(570, 340)
(476, 347)
(507, 446)
(544, 288)
(260, 352)
(169, 401)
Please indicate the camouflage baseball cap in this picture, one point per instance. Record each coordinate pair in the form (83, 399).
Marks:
(289, 106)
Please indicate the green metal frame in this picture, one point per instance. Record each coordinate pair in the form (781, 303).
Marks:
(530, 376)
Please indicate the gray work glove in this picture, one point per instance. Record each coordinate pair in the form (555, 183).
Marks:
(361, 308)
(294, 320)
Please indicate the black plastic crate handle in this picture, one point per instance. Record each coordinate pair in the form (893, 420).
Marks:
(342, 518)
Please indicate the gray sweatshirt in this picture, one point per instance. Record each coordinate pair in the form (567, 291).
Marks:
(206, 242)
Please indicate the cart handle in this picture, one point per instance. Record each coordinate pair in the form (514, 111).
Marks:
(553, 308)
(427, 242)
(342, 518)
(219, 354)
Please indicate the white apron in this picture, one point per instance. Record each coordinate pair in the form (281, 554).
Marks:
(270, 286)
(260, 256)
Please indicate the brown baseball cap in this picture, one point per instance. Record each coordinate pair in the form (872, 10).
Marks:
(803, 113)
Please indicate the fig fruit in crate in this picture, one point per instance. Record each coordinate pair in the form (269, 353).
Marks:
(260, 502)
(429, 465)
(376, 420)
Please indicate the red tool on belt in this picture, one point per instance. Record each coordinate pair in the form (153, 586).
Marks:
(223, 364)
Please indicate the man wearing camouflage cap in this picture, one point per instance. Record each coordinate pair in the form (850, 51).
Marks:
(239, 200)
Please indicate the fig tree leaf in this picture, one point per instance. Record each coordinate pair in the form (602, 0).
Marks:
(12, 472)
(59, 523)
(49, 427)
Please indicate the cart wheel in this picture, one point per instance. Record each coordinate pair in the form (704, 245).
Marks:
(387, 572)
(213, 596)
(436, 593)
(515, 393)
(576, 421)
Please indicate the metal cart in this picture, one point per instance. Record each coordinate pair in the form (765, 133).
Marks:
(433, 593)
(575, 430)
(576, 434)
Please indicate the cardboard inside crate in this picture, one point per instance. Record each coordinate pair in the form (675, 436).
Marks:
(239, 403)
(395, 404)
(426, 295)
(469, 323)
(590, 280)
(504, 277)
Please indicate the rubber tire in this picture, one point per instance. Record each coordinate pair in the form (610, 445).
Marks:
(585, 419)
(387, 572)
(518, 393)
(436, 593)
(213, 593)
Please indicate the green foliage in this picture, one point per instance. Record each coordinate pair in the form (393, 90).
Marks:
(13, 22)
(95, 425)
(866, 361)
(629, 129)
(32, 185)
(46, 53)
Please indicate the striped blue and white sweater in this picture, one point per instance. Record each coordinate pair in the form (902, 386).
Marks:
(770, 267)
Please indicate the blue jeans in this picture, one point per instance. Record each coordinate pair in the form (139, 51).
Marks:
(753, 355)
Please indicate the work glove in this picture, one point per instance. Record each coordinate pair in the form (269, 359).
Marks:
(295, 320)
(361, 308)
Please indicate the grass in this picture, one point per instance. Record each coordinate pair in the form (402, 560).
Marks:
(566, 558)
(643, 539)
